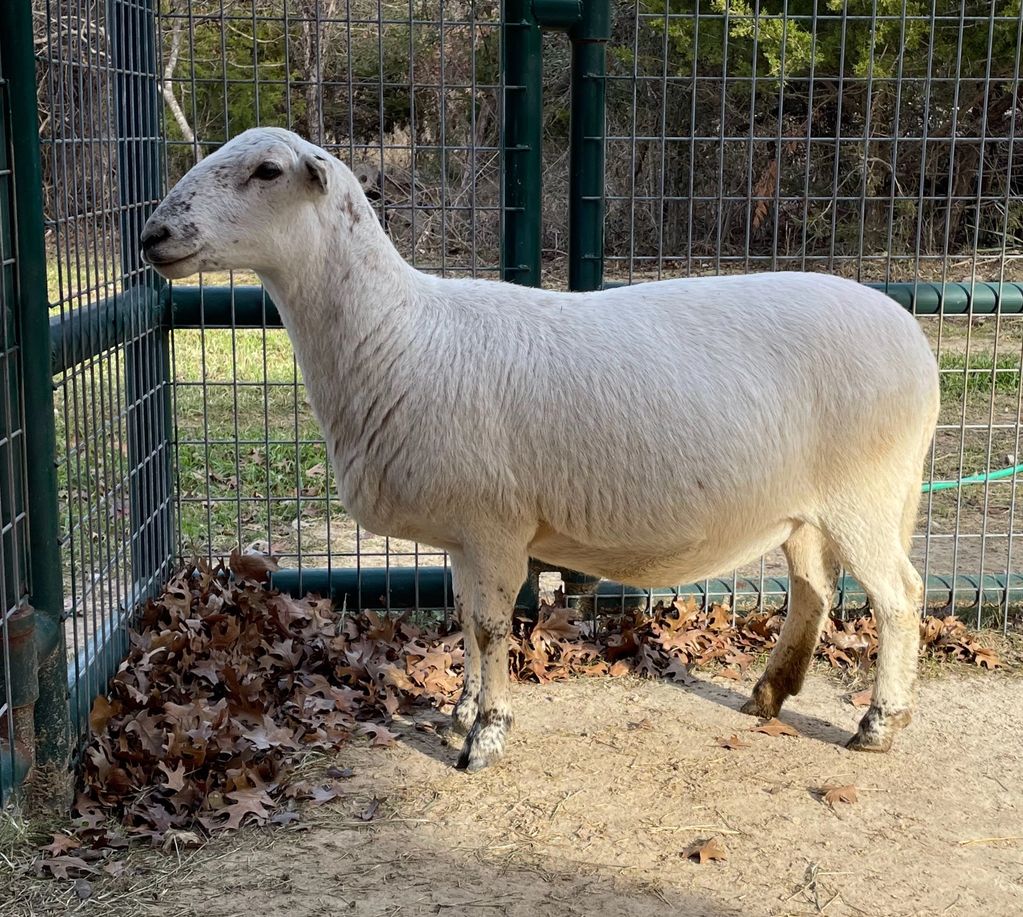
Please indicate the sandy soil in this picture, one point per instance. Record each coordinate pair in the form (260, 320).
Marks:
(606, 782)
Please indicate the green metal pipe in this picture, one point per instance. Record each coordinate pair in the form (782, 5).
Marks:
(46, 587)
(558, 14)
(86, 332)
(248, 307)
(521, 143)
(430, 587)
(222, 307)
(89, 331)
(982, 298)
(586, 170)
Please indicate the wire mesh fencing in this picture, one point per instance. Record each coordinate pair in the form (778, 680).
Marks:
(877, 141)
(100, 125)
(870, 141)
(409, 98)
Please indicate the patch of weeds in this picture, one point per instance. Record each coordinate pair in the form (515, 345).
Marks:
(977, 374)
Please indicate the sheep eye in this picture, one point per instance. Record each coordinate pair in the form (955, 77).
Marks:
(267, 171)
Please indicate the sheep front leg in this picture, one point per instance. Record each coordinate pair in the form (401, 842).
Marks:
(464, 714)
(488, 599)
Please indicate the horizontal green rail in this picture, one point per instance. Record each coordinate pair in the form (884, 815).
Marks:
(222, 307)
(91, 330)
(86, 332)
(249, 307)
(430, 587)
(925, 298)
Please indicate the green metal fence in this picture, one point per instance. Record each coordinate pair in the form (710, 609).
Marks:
(16, 648)
(564, 142)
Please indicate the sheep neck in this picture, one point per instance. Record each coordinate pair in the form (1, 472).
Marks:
(342, 301)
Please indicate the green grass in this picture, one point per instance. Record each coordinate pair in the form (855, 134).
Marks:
(247, 440)
(249, 459)
(978, 375)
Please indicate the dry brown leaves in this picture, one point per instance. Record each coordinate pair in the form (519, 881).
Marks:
(833, 794)
(862, 698)
(706, 850)
(228, 682)
(732, 743)
(776, 727)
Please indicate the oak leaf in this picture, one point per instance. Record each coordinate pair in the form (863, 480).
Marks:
(678, 671)
(986, 658)
(732, 743)
(324, 794)
(706, 850)
(61, 844)
(255, 567)
(862, 698)
(175, 777)
(380, 735)
(834, 794)
(102, 711)
(775, 727)
(255, 802)
(59, 866)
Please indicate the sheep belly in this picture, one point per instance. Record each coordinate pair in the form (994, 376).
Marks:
(682, 563)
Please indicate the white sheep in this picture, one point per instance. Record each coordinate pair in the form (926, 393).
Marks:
(652, 434)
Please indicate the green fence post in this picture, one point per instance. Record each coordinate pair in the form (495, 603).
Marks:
(586, 169)
(589, 37)
(147, 360)
(521, 161)
(521, 140)
(46, 585)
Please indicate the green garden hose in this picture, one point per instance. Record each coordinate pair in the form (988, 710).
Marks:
(973, 479)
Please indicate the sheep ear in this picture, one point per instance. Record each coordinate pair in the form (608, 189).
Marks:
(316, 171)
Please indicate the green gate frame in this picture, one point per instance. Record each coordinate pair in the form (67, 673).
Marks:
(135, 318)
(45, 635)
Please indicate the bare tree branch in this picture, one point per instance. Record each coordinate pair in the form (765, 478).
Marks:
(167, 90)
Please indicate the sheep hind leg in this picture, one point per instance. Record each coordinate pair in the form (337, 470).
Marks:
(489, 600)
(895, 592)
(813, 573)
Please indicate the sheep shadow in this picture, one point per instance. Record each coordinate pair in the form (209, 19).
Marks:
(422, 729)
(809, 726)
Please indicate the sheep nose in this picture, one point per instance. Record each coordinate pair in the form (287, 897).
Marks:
(154, 235)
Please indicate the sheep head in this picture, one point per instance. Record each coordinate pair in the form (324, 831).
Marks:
(256, 203)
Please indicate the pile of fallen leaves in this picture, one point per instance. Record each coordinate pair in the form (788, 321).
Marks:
(679, 636)
(228, 683)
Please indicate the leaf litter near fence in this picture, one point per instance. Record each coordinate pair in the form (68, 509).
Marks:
(228, 684)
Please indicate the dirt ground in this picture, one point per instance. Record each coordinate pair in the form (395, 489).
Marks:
(606, 782)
